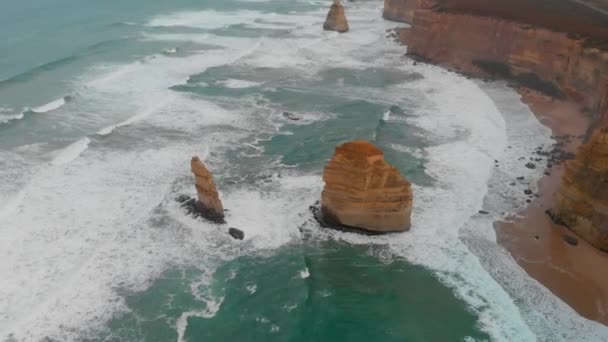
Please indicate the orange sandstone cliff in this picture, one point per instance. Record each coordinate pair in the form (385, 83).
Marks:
(582, 201)
(209, 204)
(363, 191)
(403, 10)
(560, 48)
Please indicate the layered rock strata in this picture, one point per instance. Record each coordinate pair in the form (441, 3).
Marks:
(403, 10)
(336, 18)
(554, 50)
(208, 204)
(582, 201)
(363, 191)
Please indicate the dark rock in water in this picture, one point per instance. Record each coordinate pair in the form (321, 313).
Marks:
(291, 116)
(571, 240)
(327, 223)
(182, 198)
(193, 207)
(483, 212)
(530, 166)
(528, 201)
(236, 233)
(520, 178)
(528, 192)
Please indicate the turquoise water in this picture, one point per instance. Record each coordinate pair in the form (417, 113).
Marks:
(103, 104)
(347, 295)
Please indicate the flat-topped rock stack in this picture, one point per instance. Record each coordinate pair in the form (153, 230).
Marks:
(363, 191)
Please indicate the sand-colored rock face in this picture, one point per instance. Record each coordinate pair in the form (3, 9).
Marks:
(336, 18)
(363, 191)
(582, 201)
(403, 10)
(209, 203)
(542, 59)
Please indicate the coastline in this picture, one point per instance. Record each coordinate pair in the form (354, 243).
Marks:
(536, 243)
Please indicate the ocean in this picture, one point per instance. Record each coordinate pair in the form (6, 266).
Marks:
(102, 105)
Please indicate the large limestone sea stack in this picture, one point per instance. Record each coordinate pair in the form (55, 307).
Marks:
(336, 19)
(582, 201)
(209, 204)
(363, 191)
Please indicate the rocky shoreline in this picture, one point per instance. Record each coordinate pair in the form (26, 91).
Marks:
(556, 56)
(549, 252)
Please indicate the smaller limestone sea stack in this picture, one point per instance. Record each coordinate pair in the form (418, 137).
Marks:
(364, 192)
(208, 205)
(336, 19)
(582, 201)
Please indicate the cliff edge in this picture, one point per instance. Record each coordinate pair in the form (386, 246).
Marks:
(557, 47)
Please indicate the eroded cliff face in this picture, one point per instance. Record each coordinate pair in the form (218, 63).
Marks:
(403, 10)
(582, 201)
(541, 59)
(363, 191)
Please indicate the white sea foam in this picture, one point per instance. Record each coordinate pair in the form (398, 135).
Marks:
(11, 204)
(51, 106)
(86, 226)
(84, 232)
(139, 116)
(304, 273)
(251, 288)
(7, 117)
(71, 152)
(182, 322)
(170, 51)
(386, 116)
(211, 19)
(239, 84)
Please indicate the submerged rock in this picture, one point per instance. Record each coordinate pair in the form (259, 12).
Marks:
(336, 19)
(236, 233)
(363, 191)
(208, 204)
(582, 200)
(291, 116)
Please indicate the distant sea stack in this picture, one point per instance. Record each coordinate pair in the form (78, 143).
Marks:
(209, 204)
(362, 191)
(582, 201)
(336, 19)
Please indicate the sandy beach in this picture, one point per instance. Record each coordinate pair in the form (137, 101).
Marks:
(573, 273)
